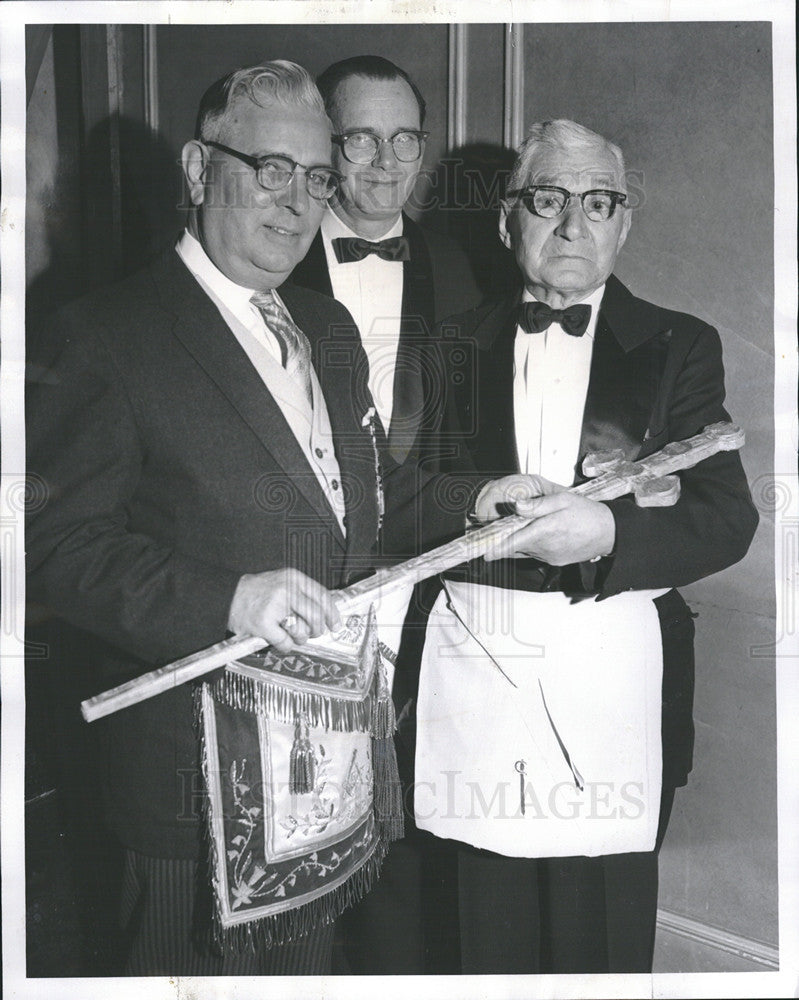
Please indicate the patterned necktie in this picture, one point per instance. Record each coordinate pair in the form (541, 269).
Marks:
(294, 347)
(351, 248)
(534, 317)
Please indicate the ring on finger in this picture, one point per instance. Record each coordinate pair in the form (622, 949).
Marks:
(289, 622)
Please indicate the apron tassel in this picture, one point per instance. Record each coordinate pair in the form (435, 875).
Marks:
(387, 789)
(384, 721)
(302, 762)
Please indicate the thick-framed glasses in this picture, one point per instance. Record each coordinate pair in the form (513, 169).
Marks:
(549, 202)
(363, 147)
(274, 172)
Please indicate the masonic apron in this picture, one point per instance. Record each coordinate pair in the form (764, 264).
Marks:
(539, 722)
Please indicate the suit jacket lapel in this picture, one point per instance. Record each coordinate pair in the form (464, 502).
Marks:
(312, 272)
(488, 421)
(417, 284)
(498, 402)
(416, 322)
(354, 451)
(216, 350)
(626, 370)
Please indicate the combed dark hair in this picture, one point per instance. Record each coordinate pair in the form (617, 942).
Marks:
(371, 67)
(279, 81)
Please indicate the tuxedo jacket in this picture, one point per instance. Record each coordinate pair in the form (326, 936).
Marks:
(437, 282)
(656, 376)
(170, 471)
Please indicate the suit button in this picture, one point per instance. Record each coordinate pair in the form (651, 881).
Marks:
(334, 484)
(319, 453)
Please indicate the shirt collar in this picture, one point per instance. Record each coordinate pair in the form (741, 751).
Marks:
(333, 228)
(235, 297)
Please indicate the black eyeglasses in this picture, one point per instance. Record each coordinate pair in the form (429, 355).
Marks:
(363, 147)
(275, 171)
(549, 202)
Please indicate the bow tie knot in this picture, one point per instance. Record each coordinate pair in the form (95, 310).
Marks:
(352, 248)
(535, 317)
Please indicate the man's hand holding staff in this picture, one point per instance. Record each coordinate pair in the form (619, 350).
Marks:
(550, 524)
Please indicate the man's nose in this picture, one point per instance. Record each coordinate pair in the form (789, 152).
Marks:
(572, 221)
(295, 194)
(384, 157)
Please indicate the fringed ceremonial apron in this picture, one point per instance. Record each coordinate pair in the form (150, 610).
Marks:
(539, 722)
(303, 793)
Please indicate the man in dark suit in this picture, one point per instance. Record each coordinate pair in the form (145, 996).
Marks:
(196, 441)
(572, 364)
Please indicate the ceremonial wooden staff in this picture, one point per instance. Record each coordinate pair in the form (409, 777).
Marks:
(612, 476)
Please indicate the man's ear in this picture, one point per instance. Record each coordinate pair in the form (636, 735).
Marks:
(194, 159)
(625, 228)
(504, 215)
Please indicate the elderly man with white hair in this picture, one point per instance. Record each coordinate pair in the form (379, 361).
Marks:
(556, 687)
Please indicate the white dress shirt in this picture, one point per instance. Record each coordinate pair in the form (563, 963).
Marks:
(371, 289)
(310, 425)
(550, 383)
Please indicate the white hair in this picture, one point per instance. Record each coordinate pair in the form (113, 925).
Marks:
(276, 82)
(558, 135)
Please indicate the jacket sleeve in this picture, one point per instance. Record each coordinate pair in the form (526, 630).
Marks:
(713, 522)
(85, 562)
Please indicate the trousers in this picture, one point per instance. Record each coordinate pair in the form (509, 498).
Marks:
(166, 915)
(558, 915)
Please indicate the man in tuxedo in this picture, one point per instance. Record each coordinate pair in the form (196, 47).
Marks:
(195, 444)
(396, 279)
(572, 364)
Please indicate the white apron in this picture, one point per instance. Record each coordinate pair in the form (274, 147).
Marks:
(539, 722)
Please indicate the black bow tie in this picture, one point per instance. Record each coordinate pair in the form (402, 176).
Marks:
(351, 248)
(534, 317)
